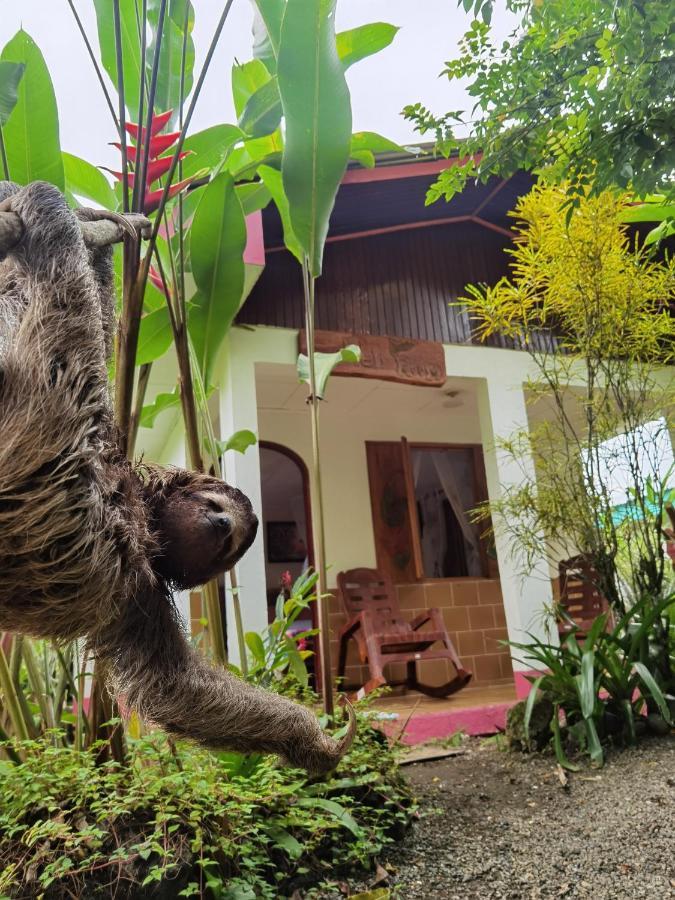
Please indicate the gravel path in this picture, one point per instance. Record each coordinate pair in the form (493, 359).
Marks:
(501, 825)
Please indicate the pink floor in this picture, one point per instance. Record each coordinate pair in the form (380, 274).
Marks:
(414, 719)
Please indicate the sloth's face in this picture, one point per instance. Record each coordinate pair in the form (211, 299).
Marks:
(203, 531)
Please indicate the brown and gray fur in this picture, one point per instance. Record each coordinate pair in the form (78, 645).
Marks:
(91, 545)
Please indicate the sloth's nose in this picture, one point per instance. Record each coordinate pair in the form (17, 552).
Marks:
(224, 523)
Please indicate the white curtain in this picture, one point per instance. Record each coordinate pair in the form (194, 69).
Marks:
(434, 536)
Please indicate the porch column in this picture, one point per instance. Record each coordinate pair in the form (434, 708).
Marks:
(502, 412)
(239, 410)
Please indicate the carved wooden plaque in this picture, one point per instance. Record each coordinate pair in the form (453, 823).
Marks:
(389, 358)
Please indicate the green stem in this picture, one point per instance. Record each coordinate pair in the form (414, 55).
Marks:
(238, 623)
(142, 175)
(139, 400)
(3, 154)
(317, 495)
(11, 699)
(12, 755)
(97, 68)
(38, 686)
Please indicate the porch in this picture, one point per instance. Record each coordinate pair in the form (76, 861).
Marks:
(480, 398)
(479, 709)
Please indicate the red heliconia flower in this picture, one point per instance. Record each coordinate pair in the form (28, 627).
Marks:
(153, 198)
(156, 279)
(158, 122)
(158, 165)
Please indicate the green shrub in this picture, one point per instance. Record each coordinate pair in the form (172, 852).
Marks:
(605, 682)
(182, 822)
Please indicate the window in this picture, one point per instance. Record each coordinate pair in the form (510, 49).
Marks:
(421, 495)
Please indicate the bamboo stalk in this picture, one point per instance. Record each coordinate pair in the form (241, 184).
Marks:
(317, 494)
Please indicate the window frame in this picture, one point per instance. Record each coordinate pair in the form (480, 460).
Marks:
(480, 491)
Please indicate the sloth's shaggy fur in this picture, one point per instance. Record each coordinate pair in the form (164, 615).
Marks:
(85, 542)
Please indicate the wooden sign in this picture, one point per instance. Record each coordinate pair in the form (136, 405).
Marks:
(388, 358)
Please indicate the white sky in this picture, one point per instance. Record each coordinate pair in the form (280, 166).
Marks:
(404, 73)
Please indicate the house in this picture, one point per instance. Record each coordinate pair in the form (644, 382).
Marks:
(408, 436)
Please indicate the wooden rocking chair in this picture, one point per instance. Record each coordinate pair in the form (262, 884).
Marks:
(382, 636)
(580, 601)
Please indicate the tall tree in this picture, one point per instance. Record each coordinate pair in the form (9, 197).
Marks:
(582, 89)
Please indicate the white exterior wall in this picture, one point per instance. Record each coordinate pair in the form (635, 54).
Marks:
(238, 411)
(497, 376)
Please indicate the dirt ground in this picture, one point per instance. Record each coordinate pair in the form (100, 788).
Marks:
(501, 825)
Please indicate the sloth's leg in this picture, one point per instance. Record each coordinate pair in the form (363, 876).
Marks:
(62, 332)
(102, 265)
(101, 259)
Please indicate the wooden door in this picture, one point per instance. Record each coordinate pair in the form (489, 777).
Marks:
(391, 514)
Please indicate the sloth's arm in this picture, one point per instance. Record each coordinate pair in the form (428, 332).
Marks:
(170, 684)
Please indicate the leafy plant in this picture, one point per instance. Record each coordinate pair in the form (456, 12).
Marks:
(192, 823)
(604, 682)
(281, 650)
(581, 90)
(591, 310)
(306, 62)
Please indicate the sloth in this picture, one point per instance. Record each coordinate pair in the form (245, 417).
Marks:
(91, 544)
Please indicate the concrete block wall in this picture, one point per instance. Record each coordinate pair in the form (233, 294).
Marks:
(474, 614)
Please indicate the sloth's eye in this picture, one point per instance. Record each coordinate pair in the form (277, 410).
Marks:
(214, 506)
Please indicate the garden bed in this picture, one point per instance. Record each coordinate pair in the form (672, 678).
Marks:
(181, 822)
(498, 825)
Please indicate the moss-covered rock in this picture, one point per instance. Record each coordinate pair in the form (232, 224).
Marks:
(539, 729)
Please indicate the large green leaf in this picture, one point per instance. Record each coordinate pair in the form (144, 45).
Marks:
(285, 840)
(10, 76)
(209, 147)
(131, 48)
(358, 43)
(335, 809)
(365, 144)
(272, 180)
(161, 403)
(31, 132)
(272, 13)
(650, 683)
(240, 441)
(217, 242)
(155, 336)
(253, 195)
(167, 95)
(586, 684)
(255, 645)
(247, 78)
(317, 108)
(324, 363)
(87, 181)
(262, 113)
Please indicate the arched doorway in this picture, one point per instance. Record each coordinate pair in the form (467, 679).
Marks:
(286, 517)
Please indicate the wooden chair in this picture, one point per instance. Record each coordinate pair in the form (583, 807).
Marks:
(382, 636)
(580, 601)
